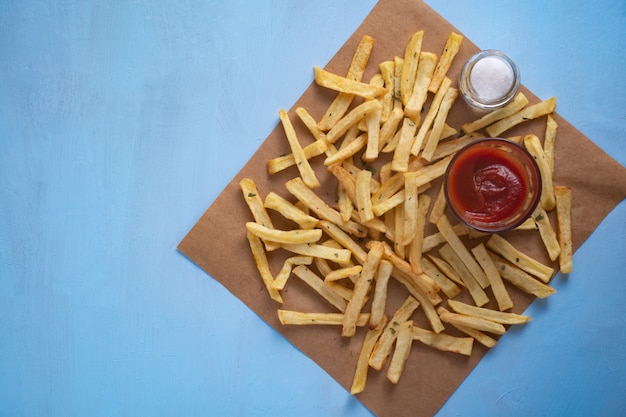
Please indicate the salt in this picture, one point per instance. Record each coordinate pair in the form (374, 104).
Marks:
(492, 78)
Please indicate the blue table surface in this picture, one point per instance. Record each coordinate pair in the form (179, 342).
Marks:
(120, 123)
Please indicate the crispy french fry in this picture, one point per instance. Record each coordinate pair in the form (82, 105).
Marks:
(415, 247)
(379, 301)
(520, 278)
(548, 141)
(476, 291)
(260, 260)
(474, 322)
(401, 353)
(502, 247)
(409, 67)
(387, 70)
(352, 118)
(360, 374)
(443, 341)
(298, 318)
(453, 44)
(547, 189)
(363, 196)
(341, 237)
(383, 346)
(342, 273)
(564, 221)
(447, 270)
(495, 280)
(487, 313)
(477, 335)
(289, 211)
(341, 84)
(255, 204)
(439, 206)
(452, 146)
(306, 172)
(430, 116)
(341, 256)
(285, 272)
(400, 161)
(425, 70)
(449, 288)
(432, 139)
(531, 112)
(372, 148)
(347, 151)
(319, 286)
(281, 163)
(517, 104)
(284, 236)
(436, 239)
(548, 235)
(342, 102)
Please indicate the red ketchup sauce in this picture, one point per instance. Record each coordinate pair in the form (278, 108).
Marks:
(489, 187)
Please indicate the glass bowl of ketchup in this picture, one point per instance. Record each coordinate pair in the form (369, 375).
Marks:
(492, 185)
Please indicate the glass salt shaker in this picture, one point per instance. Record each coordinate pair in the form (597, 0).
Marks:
(489, 80)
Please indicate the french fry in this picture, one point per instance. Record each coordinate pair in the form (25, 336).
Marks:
(548, 141)
(401, 353)
(415, 246)
(342, 102)
(387, 70)
(283, 275)
(341, 84)
(341, 256)
(319, 286)
(439, 206)
(476, 291)
(487, 313)
(400, 161)
(425, 70)
(297, 318)
(447, 270)
(452, 146)
(528, 113)
(341, 237)
(379, 301)
(517, 104)
(362, 367)
(453, 44)
(547, 233)
(398, 63)
(255, 204)
(344, 203)
(260, 260)
(350, 149)
(410, 210)
(361, 287)
(283, 162)
(477, 335)
(564, 221)
(449, 288)
(438, 123)
(495, 280)
(430, 116)
(342, 273)
(502, 247)
(529, 224)
(284, 236)
(289, 211)
(385, 342)
(520, 278)
(363, 196)
(477, 323)
(306, 172)
(444, 226)
(436, 239)
(372, 148)
(547, 189)
(443, 341)
(352, 118)
(409, 67)
(389, 128)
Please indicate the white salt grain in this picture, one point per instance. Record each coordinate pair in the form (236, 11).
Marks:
(491, 78)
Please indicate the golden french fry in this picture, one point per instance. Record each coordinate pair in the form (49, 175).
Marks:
(477, 323)
(444, 226)
(362, 366)
(255, 204)
(372, 121)
(260, 260)
(398, 63)
(529, 224)
(342, 273)
(477, 335)
(430, 116)
(452, 146)
(453, 44)
(547, 189)
(383, 346)
(548, 141)
(341, 84)
(487, 313)
(387, 70)
(297, 318)
(379, 301)
(289, 211)
(439, 206)
(447, 270)
(476, 291)
(564, 221)
(401, 353)
(425, 70)
(531, 112)
(351, 119)
(409, 67)
(449, 288)
(438, 123)
(320, 287)
(502, 247)
(342, 102)
(400, 161)
(284, 236)
(306, 172)
(443, 341)
(285, 272)
(341, 237)
(347, 151)
(363, 196)
(520, 278)
(283, 162)
(436, 239)
(415, 247)
(340, 256)
(517, 104)
(548, 235)
(361, 287)
(495, 280)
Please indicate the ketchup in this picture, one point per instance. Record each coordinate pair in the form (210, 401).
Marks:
(490, 184)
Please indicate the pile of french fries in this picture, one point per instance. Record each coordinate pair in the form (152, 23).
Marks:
(348, 251)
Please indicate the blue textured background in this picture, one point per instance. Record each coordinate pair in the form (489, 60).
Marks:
(120, 123)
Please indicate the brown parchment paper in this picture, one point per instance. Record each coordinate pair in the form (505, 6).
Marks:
(598, 183)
